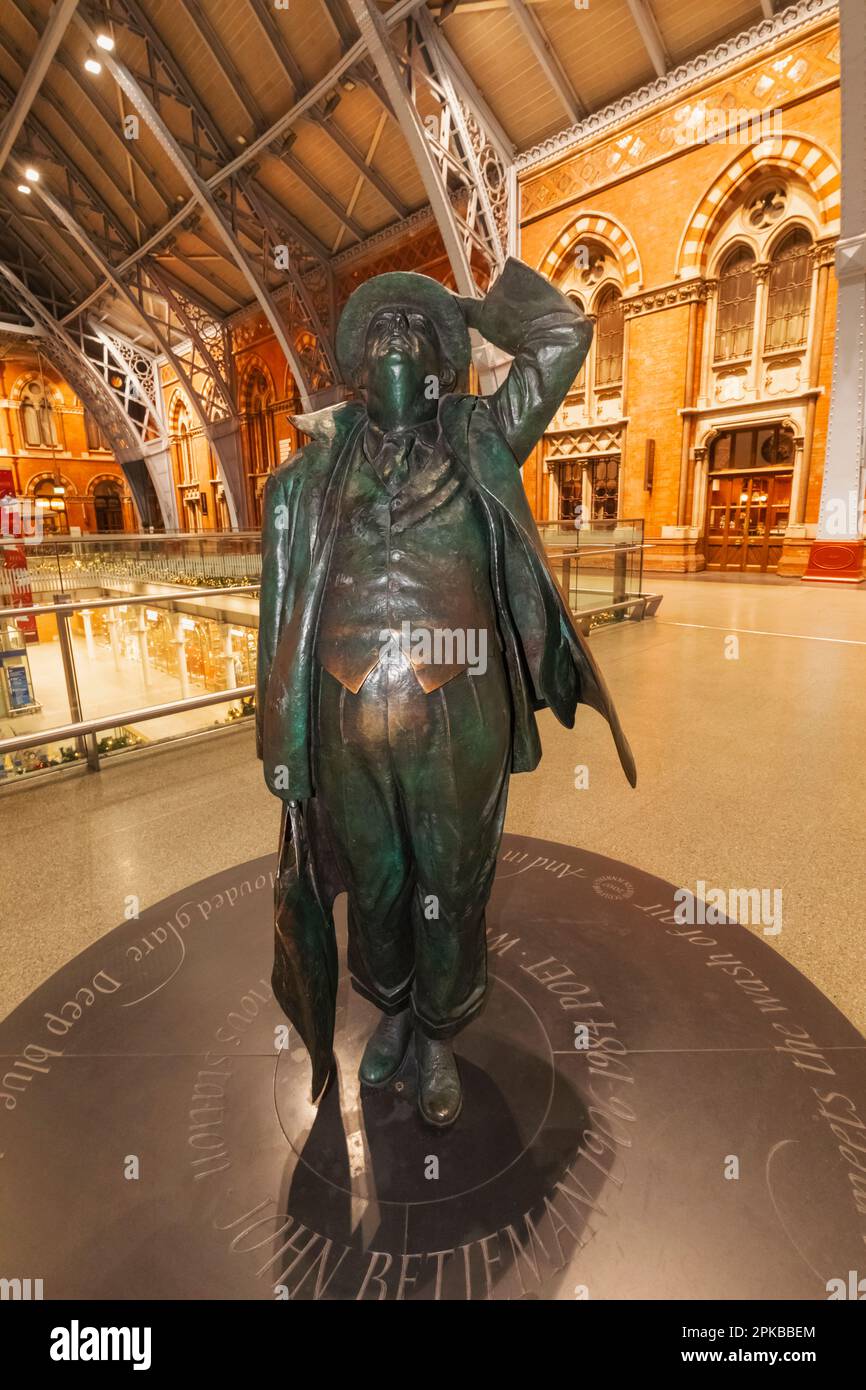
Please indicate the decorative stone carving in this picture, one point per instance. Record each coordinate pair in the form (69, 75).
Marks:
(608, 407)
(731, 385)
(571, 416)
(595, 272)
(668, 296)
(693, 73)
(824, 252)
(581, 443)
(782, 376)
(766, 207)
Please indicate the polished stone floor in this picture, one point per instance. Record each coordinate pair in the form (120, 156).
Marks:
(743, 703)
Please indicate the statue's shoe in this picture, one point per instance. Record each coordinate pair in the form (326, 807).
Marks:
(386, 1048)
(439, 1092)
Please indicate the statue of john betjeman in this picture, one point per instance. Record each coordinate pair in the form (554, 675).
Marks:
(410, 629)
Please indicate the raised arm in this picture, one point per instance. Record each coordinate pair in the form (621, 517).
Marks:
(548, 337)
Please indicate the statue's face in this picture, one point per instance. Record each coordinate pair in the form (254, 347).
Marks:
(402, 337)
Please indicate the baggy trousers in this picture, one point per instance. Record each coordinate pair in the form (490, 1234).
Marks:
(415, 787)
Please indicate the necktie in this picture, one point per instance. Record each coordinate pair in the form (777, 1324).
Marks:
(392, 462)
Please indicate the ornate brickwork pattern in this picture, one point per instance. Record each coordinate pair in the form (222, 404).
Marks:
(594, 224)
(764, 84)
(798, 154)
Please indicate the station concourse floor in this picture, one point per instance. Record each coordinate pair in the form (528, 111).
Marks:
(750, 775)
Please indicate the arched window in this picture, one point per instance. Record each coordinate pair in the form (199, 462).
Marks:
(788, 292)
(186, 470)
(580, 379)
(735, 320)
(51, 504)
(38, 419)
(186, 453)
(259, 399)
(107, 505)
(608, 339)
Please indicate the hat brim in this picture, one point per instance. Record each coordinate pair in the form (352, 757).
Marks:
(404, 289)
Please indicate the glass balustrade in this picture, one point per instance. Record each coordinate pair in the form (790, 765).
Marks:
(128, 625)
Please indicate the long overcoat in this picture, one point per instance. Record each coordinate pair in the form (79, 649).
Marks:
(548, 661)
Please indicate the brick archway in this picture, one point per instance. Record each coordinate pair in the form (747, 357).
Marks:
(254, 365)
(794, 154)
(601, 228)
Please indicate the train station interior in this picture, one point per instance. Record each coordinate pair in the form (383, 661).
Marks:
(190, 194)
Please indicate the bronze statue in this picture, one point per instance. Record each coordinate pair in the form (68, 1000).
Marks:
(409, 630)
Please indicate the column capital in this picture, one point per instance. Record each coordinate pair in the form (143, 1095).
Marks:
(824, 252)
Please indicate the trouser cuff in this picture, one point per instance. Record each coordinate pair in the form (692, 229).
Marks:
(393, 1003)
(440, 1031)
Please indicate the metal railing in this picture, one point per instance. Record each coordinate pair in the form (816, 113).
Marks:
(84, 727)
(82, 731)
(68, 563)
(600, 575)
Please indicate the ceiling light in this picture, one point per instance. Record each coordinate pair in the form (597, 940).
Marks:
(91, 65)
(24, 188)
(31, 175)
(105, 41)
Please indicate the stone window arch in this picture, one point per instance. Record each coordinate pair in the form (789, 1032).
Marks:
(181, 429)
(258, 403)
(791, 169)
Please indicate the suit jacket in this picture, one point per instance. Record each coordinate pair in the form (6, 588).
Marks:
(547, 658)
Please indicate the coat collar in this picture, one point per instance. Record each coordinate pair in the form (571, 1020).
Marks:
(332, 424)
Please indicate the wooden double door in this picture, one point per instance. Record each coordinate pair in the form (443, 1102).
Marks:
(747, 514)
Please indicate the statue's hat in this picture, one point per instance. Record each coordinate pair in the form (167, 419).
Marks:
(402, 289)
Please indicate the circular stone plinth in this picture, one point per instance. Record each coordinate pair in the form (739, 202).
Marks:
(650, 1110)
